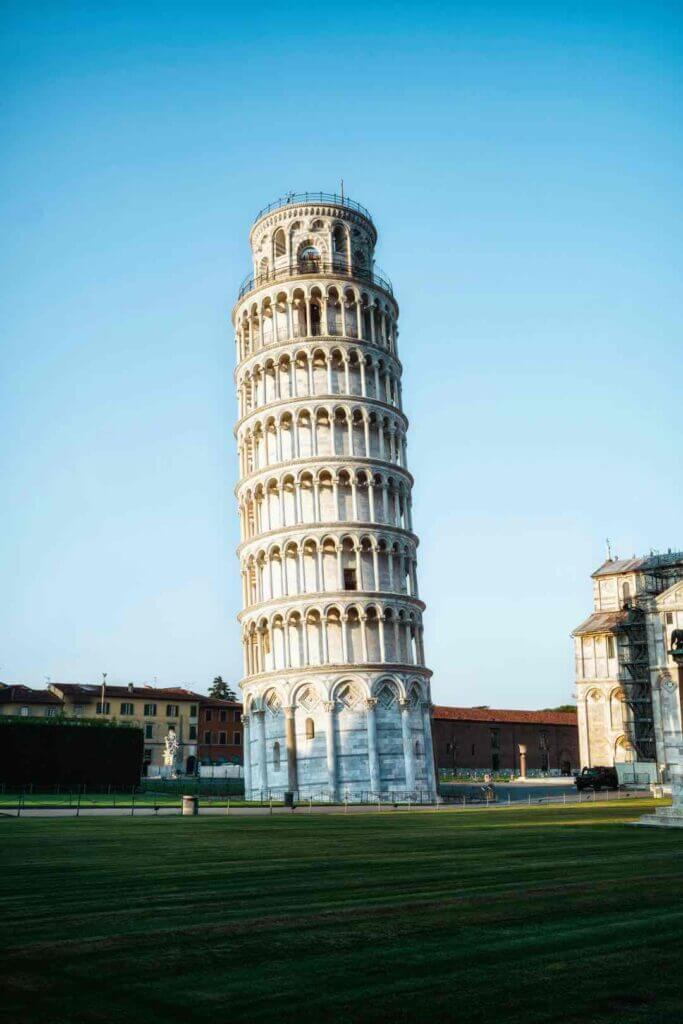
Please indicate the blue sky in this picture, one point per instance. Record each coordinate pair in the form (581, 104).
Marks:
(523, 165)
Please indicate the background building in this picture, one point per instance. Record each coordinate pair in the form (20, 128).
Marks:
(220, 731)
(628, 687)
(336, 691)
(489, 739)
(157, 710)
(27, 703)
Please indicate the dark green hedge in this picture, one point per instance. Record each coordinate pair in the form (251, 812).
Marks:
(45, 751)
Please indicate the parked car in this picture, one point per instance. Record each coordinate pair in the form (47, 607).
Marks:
(597, 777)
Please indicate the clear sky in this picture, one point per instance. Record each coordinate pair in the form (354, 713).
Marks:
(523, 165)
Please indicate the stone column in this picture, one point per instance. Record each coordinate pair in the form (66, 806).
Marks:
(373, 755)
(522, 760)
(407, 745)
(429, 746)
(246, 747)
(260, 717)
(290, 741)
(331, 743)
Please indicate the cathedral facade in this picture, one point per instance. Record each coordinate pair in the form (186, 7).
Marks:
(336, 692)
(627, 674)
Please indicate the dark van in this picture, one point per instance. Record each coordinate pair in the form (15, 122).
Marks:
(597, 778)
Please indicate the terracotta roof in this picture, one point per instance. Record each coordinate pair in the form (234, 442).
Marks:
(601, 622)
(497, 715)
(20, 694)
(647, 563)
(217, 702)
(82, 693)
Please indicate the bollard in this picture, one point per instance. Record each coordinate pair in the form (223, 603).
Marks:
(529, 799)
(270, 802)
(132, 803)
(190, 805)
(310, 805)
(78, 803)
(227, 809)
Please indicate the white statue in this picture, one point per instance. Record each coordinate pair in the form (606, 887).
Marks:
(171, 747)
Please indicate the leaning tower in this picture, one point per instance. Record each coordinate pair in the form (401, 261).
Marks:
(336, 692)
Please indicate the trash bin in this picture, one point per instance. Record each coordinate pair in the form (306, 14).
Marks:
(289, 800)
(190, 805)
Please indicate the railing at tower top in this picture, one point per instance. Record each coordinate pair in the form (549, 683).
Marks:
(312, 267)
(295, 198)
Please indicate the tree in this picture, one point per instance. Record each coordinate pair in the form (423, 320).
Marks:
(221, 690)
(563, 707)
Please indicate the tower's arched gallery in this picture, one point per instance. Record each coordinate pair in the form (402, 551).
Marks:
(336, 692)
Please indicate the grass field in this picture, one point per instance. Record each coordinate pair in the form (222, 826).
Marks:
(535, 915)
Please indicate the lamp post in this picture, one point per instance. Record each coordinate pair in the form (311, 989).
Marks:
(104, 692)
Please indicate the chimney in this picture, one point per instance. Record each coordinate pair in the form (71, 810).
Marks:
(130, 687)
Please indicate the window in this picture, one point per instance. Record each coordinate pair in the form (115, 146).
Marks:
(193, 732)
(310, 729)
(193, 710)
(79, 709)
(171, 710)
(280, 243)
(224, 716)
(149, 732)
(418, 749)
(50, 712)
(495, 761)
(207, 715)
(473, 750)
(207, 736)
(127, 708)
(103, 709)
(23, 712)
(147, 758)
(276, 756)
(238, 716)
(669, 618)
(150, 710)
(237, 738)
(350, 579)
(610, 646)
(495, 739)
(222, 738)
(543, 740)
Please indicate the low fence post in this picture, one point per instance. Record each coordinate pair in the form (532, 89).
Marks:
(78, 803)
(132, 801)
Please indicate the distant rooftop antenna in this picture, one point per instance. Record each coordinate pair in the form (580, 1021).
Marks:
(342, 189)
(609, 551)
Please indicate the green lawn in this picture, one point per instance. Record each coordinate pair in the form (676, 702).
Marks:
(543, 914)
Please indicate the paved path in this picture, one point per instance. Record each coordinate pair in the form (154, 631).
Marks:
(444, 808)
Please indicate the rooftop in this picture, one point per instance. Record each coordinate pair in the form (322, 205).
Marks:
(20, 694)
(494, 715)
(601, 622)
(328, 198)
(645, 563)
(91, 691)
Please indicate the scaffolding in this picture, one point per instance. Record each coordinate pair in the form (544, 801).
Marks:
(635, 681)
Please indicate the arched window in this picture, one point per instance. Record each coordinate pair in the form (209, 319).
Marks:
(418, 749)
(310, 729)
(625, 594)
(309, 259)
(276, 756)
(279, 243)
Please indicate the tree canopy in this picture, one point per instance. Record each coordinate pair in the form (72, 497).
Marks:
(221, 690)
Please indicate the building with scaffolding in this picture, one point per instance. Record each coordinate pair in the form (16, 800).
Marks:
(628, 679)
